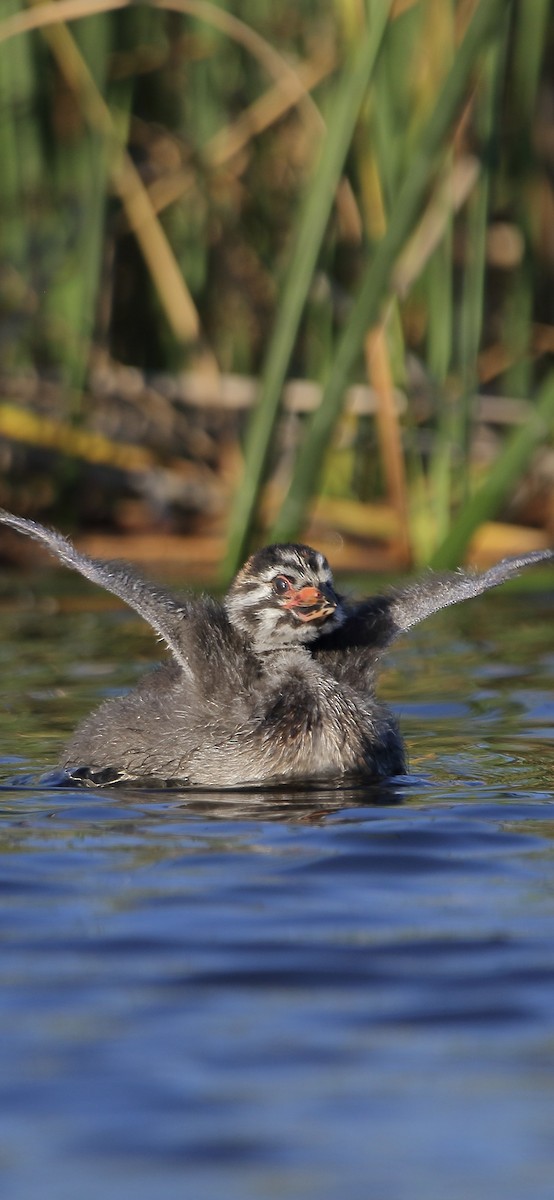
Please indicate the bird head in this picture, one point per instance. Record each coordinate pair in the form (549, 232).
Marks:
(284, 596)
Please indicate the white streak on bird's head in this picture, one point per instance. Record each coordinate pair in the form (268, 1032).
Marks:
(284, 596)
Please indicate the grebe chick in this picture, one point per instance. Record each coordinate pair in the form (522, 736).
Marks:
(274, 684)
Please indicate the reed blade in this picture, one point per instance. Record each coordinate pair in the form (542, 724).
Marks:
(486, 22)
(309, 234)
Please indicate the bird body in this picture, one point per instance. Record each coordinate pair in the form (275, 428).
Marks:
(275, 684)
(246, 711)
(295, 722)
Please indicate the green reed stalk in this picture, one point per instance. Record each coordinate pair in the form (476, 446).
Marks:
(484, 24)
(475, 263)
(529, 46)
(305, 248)
(529, 41)
(439, 355)
(79, 185)
(500, 481)
(21, 174)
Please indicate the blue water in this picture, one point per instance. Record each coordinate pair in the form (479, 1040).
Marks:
(282, 996)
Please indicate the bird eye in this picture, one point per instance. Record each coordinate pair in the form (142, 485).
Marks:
(281, 585)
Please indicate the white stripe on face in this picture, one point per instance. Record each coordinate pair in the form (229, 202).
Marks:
(300, 571)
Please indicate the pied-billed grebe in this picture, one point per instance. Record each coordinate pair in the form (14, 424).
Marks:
(275, 683)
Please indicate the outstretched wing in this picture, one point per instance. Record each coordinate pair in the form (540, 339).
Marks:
(163, 612)
(433, 592)
(376, 622)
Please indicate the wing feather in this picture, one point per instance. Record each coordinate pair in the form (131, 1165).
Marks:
(434, 592)
(165, 614)
(374, 623)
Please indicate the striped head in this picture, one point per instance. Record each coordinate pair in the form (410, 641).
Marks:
(284, 596)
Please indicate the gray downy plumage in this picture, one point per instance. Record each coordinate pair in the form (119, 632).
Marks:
(275, 683)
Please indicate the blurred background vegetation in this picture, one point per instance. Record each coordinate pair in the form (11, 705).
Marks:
(270, 271)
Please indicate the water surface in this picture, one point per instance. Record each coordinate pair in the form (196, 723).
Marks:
(282, 995)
